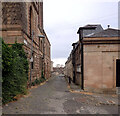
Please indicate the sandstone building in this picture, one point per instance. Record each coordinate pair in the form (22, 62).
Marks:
(77, 52)
(68, 69)
(23, 22)
(76, 61)
(96, 59)
(102, 61)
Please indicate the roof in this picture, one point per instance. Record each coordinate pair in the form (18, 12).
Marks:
(75, 43)
(106, 33)
(89, 27)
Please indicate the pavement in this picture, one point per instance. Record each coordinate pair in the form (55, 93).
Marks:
(56, 97)
(108, 99)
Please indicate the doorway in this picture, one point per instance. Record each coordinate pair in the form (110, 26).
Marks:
(118, 73)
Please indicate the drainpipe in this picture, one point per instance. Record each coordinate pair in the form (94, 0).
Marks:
(31, 58)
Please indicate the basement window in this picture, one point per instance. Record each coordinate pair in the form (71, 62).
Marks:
(32, 61)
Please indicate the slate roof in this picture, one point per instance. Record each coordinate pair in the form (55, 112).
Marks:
(106, 33)
(89, 26)
(90, 29)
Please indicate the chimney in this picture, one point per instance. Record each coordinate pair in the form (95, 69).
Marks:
(108, 26)
(41, 14)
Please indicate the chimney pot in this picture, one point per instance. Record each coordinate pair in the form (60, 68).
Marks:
(108, 26)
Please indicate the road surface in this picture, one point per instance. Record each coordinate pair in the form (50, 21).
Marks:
(54, 97)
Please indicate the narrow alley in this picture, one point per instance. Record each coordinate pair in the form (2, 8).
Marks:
(54, 97)
(64, 54)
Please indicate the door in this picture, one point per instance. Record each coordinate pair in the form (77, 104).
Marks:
(118, 73)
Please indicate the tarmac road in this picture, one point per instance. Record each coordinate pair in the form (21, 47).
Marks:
(54, 97)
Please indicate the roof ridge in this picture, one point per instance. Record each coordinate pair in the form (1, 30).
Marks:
(92, 24)
(112, 29)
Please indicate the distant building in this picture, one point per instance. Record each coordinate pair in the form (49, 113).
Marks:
(58, 70)
(76, 63)
(68, 69)
(52, 66)
(23, 22)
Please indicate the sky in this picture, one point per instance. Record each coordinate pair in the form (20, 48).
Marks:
(62, 19)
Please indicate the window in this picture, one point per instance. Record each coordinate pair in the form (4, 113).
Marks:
(78, 68)
(32, 61)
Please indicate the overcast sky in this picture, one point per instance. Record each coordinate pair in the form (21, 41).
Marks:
(62, 19)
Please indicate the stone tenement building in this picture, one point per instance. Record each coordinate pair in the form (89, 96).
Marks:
(23, 22)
